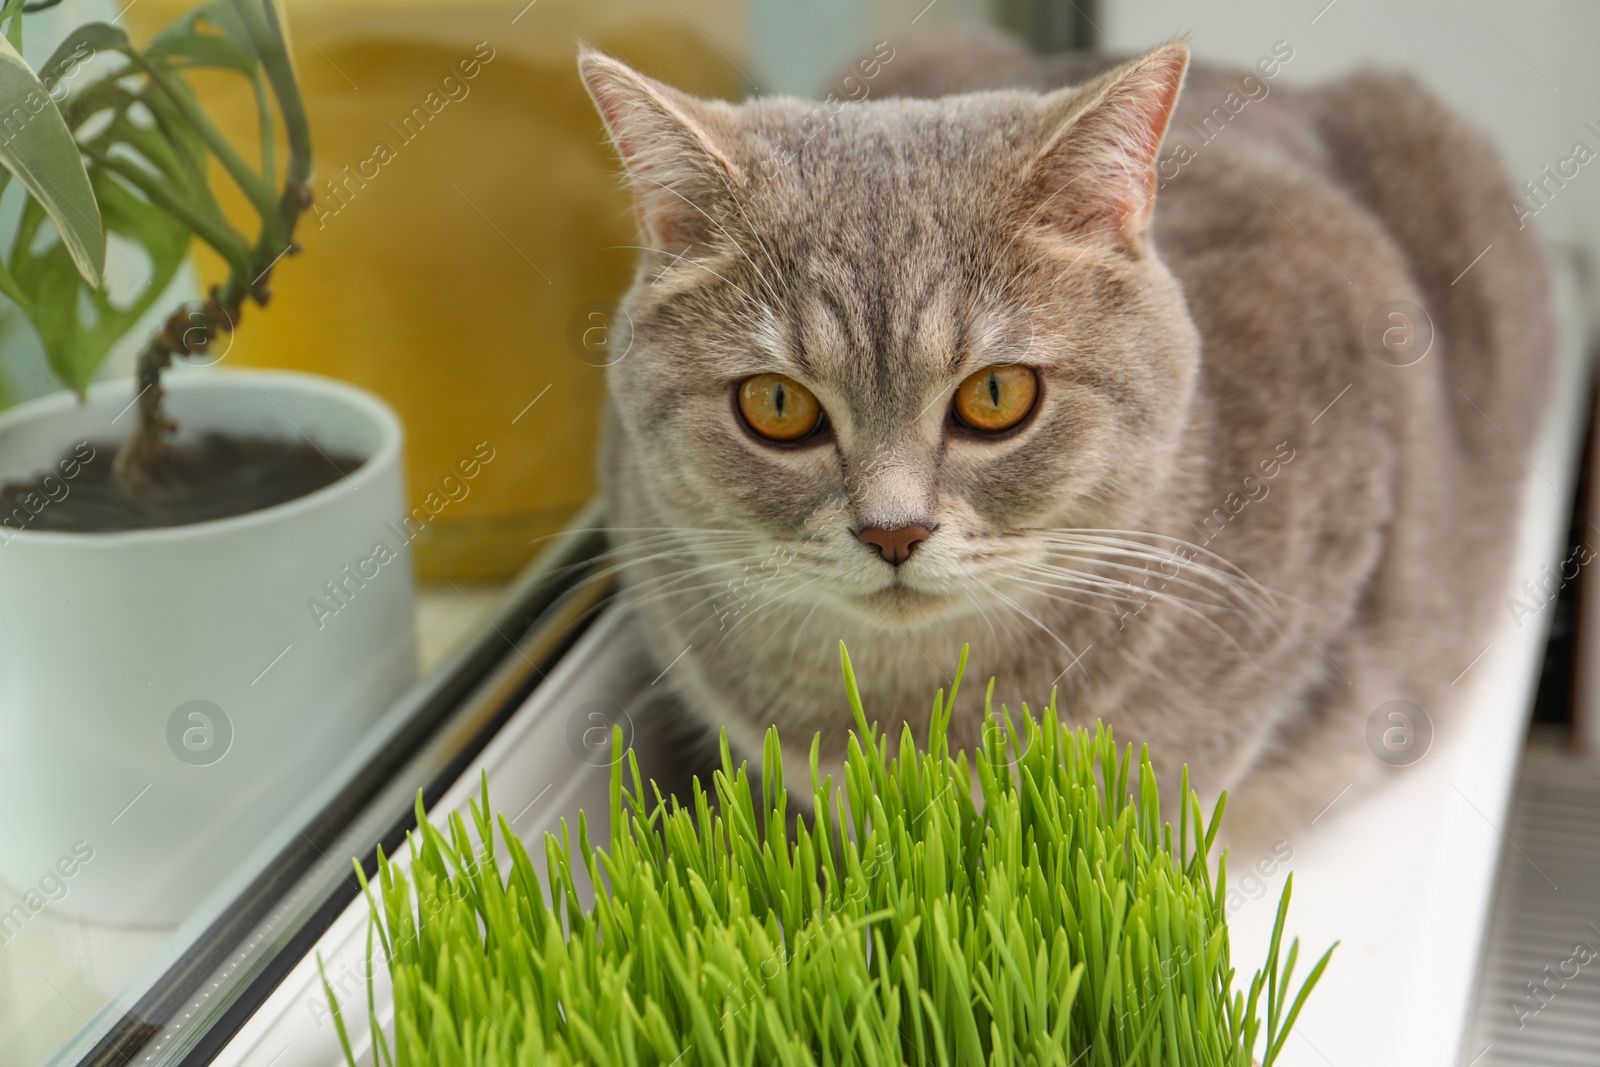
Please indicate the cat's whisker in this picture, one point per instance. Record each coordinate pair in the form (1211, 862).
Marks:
(1084, 235)
(1137, 598)
(657, 588)
(794, 643)
(622, 563)
(755, 232)
(766, 283)
(659, 529)
(790, 585)
(1127, 592)
(618, 559)
(667, 535)
(696, 596)
(785, 623)
(996, 299)
(1254, 615)
(1116, 648)
(1226, 596)
(701, 599)
(688, 537)
(1129, 538)
(1228, 575)
(983, 284)
(1134, 595)
(728, 622)
(732, 567)
(671, 580)
(1053, 593)
(679, 573)
(1222, 599)
(1115, 592)
(691, 261)
(1142, 553)
(645, 550)
(982, 613)
(1035, 620)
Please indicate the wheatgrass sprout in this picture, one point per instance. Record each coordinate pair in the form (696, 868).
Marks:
(1060, 921)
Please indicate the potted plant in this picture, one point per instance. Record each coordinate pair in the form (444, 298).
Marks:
(1031, 906)
(205, 588)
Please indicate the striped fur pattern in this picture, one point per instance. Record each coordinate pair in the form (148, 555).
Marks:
(1233, 526)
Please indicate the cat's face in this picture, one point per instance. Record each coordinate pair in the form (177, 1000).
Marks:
(894, 346)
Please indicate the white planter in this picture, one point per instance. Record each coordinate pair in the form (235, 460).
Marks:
(108, 641)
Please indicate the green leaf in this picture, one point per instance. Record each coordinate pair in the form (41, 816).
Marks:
(75, 342)
(1054, 928)
(8, 284)
(204, 49)
(211, 34)
(37, 147)
(161, 138)
(227, 16)
(180, 160)
(79, 46)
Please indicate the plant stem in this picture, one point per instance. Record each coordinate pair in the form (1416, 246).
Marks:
(213, 231)
(258, 192)
(191, 329)
(12, 10)
(269, 164)
(267, 33)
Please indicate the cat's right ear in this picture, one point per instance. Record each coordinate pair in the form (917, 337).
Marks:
(672, 145)
(1096, 172)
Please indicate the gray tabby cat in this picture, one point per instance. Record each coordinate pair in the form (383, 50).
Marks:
(1227, 465)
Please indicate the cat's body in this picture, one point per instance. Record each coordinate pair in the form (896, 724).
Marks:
(1307, 530)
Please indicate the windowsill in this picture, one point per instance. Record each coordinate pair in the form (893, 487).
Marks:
(450, 613)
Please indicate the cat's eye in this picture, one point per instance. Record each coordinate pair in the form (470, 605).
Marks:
(996, 398)
(779, 408)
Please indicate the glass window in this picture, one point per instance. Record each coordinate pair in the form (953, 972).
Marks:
(231, 653)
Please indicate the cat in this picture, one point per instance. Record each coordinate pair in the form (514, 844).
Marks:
(1195, 398)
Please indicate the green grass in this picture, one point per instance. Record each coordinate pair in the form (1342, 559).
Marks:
(1059, 920)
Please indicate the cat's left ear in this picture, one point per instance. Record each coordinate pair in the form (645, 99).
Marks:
(673, 146)
(1097, 170)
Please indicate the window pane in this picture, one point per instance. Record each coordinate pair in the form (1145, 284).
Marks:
(210, 661)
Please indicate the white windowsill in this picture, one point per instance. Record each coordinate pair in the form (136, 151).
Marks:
(1403, 877)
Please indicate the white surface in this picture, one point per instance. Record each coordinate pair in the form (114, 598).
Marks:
(107, 637)
(450, 613)
(535, 778)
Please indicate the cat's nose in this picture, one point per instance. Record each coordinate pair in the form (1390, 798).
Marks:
(894, 544)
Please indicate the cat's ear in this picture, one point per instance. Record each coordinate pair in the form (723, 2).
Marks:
(1097, 170)
(673, 147)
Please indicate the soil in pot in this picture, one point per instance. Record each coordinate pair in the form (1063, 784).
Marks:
(213, 478)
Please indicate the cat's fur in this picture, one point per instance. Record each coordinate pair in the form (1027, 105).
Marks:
(1208, 380)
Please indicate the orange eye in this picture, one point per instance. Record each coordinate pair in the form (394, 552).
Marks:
(779, 408)
(997, 398)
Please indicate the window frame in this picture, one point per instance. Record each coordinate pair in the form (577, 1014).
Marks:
(190, 1013)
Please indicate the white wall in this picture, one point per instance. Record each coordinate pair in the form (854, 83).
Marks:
(1528, 73)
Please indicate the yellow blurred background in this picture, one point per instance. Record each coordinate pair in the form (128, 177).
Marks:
(469, 225)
